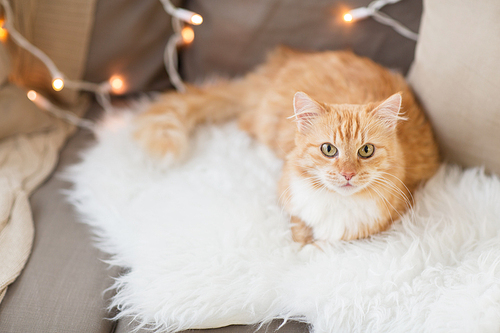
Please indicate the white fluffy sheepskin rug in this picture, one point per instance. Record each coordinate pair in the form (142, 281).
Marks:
(205, 244)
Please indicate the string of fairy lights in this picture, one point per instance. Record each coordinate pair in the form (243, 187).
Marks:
(183, 34)
(373, 10)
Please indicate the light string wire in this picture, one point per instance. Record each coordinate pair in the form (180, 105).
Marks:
(183, 34)
(69, 117)
(170, 57)
(373, 10)
(100, 90)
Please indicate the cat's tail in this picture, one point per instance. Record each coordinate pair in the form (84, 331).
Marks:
(164, 129)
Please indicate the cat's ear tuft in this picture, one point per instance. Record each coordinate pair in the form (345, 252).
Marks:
(306, 109)
(389, 110)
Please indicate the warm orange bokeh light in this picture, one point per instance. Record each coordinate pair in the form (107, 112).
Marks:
(31, 95)
(187, 35)
(3, 32)
(348, 17)
(117, 84)
(196, 19)
(57, 84)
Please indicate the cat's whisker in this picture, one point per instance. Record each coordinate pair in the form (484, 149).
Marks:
(283, 194)
(388, 211)
(391, 183)
(394, 190)
(408, 201)
(317, 182)
(403, 196)
(311, 174)
(285, 203)
(387, 201)
(387, 173)
(392, 186)
(384, 201)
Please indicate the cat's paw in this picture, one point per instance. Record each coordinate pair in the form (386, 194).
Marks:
(163, 136)
(301, 232)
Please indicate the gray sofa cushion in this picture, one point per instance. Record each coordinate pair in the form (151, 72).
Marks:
(128, 39)
(237, 34)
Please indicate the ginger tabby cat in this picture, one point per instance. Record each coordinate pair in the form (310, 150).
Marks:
(357, 147)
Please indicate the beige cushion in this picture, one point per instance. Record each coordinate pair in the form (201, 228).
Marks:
(19, 115)
(29, 140)
(5, 66)
(456, 75)
(62, 30)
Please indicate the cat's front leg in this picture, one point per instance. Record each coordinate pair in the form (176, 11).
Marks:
(301, 232)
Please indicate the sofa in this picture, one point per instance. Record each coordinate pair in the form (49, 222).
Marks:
(64, 284)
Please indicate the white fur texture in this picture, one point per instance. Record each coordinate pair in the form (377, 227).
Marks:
(328, 213)
(205, 244)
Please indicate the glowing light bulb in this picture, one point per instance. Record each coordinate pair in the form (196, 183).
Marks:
(188, 16)
(348, 17)
(3, 32)
(187, 35)
(357, 14)
(117, 84)
(32, 95)
(196, 19)
(39, 100)
(57, 84)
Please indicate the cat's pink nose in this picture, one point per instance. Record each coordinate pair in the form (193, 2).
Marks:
(348, 175)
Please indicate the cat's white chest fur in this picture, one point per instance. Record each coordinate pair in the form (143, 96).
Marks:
(330, 214)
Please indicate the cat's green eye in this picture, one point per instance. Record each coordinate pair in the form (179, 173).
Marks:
(366, 151)
(328, 149)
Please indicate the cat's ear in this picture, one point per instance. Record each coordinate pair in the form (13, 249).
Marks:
(306, 109)
(388, 111)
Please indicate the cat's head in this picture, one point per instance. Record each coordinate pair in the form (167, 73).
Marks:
(346, 148)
